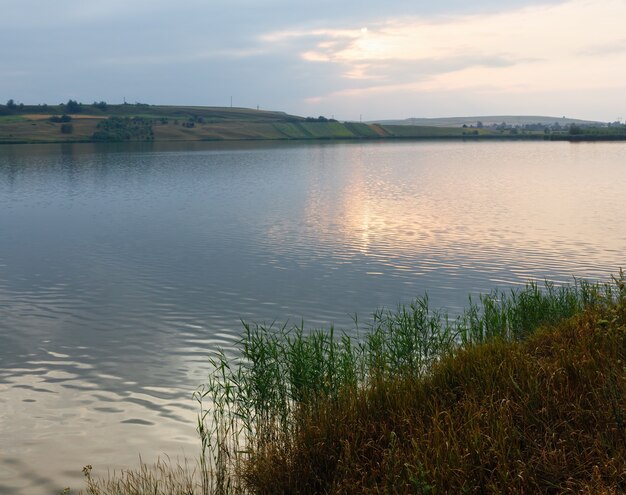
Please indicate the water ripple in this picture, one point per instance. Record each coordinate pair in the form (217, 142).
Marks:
(121, 269)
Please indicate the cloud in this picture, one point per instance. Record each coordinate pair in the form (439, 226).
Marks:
(312, 58)
(616, 46)
(530, 49)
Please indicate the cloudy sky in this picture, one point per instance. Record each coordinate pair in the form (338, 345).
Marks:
(342, 58)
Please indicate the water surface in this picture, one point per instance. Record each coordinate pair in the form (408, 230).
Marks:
(123, 266)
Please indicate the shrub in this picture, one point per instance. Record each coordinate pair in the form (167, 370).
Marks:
(102, 105)
(124, 129)
(73, 106)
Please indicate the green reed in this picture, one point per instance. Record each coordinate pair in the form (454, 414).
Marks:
(256, 400)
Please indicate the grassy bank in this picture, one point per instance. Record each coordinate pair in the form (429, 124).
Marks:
(525, 392)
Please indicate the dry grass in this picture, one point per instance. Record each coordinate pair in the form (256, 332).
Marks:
(44, 131)
(162, 478)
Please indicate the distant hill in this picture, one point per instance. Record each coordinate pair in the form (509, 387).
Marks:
(97, 122)
(487, 120)
(101, 122)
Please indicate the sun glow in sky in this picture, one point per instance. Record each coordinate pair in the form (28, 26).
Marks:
(522, 57)
(520, 54)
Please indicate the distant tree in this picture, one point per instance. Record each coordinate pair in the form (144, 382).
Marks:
(479, 125)
(73, 106)
(321, 118)
(11, 105)
(575, 130)
(102, 105)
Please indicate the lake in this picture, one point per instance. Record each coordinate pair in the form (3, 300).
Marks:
(122, 267)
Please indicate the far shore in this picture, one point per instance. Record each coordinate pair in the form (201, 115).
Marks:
(77, 123)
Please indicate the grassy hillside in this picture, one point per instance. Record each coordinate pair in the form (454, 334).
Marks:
(177, 124)
(101, 122)
(31, 123)
(165, 123)
(487, 120)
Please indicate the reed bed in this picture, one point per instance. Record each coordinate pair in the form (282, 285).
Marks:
(524, 392)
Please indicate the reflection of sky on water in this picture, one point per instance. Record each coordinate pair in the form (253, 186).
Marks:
(122, 266)
(490, 208)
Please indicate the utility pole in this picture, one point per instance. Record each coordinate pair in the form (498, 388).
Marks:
(231, 102)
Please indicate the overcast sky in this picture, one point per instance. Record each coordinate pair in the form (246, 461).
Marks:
(342, 58)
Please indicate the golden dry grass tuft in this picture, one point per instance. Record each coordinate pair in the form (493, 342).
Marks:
(163, 478)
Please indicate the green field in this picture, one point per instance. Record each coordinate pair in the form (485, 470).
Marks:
(413, 131)
(11, 118)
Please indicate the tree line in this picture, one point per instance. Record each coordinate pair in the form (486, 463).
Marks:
(70, 107)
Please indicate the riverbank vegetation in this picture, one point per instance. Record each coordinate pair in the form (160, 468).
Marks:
(524, 392)
(100, 121)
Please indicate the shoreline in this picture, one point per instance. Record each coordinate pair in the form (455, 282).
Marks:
(533, 138)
